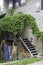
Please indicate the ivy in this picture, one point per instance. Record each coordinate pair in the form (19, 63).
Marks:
(30, 20)
(15, 23)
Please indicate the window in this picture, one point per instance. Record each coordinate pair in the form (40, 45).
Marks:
(10, 4)
(1, 5)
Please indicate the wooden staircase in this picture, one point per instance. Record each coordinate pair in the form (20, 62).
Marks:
(29, 46)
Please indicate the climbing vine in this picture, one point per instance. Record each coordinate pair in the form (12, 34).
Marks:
(29, 20)
(16, 22)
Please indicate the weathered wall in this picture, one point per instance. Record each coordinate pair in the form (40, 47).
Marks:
(6, 5)
(27, 32)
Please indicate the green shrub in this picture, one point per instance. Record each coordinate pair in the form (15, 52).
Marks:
(25, 62)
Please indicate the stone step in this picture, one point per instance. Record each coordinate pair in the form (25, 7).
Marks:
(34, 51)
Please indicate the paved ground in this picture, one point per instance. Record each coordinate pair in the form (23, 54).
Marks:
(37, 63)
(30, 8)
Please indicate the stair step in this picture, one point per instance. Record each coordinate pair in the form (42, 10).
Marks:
(30, 45)
(32, 49)
(27, 42)
(24, 39)
(35, 53)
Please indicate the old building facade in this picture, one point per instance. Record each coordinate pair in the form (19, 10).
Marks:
(36, 10)
(7, 4)
(28, 9)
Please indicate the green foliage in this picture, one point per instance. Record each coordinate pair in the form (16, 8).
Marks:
(15, 24)
(32, 23)
(12, 24)
(11, 11)
(25, 61)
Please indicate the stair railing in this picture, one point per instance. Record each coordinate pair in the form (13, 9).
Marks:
(25, 45)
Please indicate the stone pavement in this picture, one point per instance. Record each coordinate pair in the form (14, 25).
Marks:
(30, 8)
(37, 63)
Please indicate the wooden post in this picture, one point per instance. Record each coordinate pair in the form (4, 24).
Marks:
(14, 50)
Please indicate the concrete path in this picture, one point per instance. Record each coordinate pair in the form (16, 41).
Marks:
(37, 63)
(30, 8)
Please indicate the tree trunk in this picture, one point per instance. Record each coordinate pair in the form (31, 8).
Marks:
(14, 50)
(2, 53)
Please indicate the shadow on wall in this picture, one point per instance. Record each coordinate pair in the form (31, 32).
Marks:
(1, 16)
